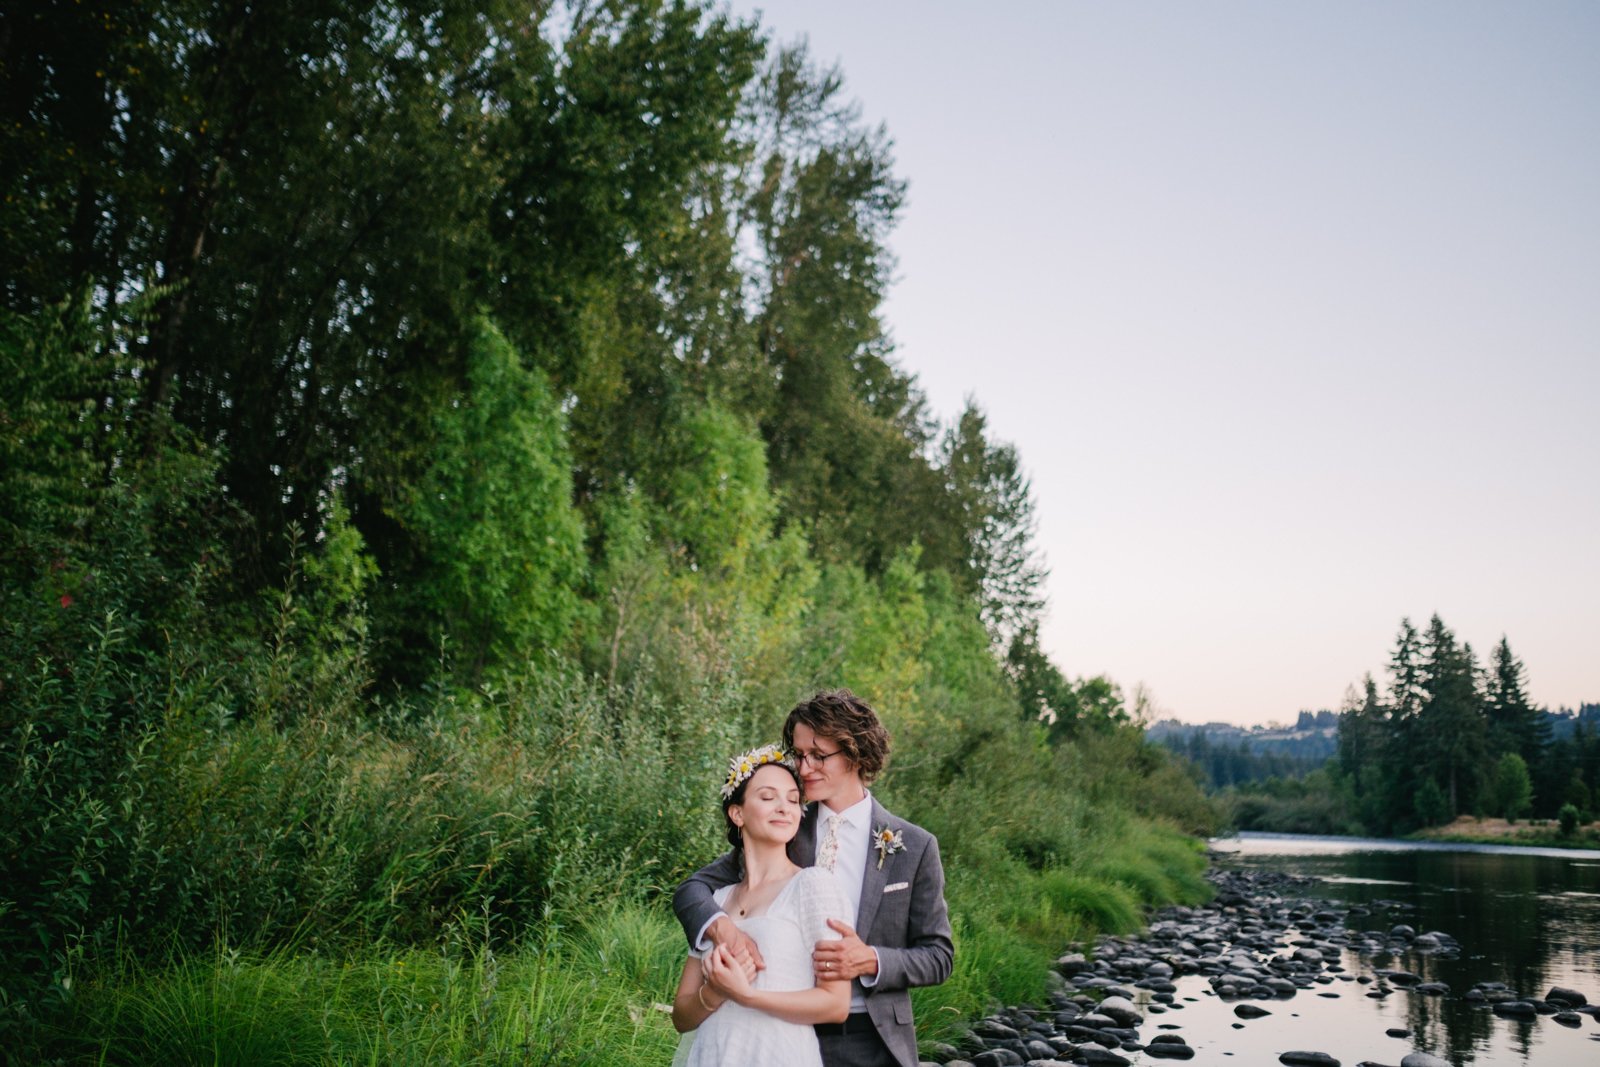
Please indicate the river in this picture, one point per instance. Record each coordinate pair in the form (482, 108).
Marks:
(1527, 917)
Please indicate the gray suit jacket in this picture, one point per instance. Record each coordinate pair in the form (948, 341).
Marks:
(903, 915)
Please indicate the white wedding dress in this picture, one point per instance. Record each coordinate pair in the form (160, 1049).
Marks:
(797, 918)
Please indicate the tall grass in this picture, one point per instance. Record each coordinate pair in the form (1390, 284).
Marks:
(590, 993)
(253, 861)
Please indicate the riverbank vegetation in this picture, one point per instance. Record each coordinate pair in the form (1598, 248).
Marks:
(1447, 738)
(435, 437)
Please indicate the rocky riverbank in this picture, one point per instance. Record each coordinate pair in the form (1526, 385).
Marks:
(1258, 944)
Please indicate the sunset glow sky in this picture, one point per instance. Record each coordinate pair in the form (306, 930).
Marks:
(1292, 310)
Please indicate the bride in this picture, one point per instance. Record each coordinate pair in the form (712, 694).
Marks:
(735, 1019)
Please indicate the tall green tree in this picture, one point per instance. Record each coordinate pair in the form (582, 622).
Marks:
(1514, 724)
(493, 554)
(847, 430)
(1450, 730)
(988, 526)
(1511, 789)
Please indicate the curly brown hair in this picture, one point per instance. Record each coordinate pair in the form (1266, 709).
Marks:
(848, 721)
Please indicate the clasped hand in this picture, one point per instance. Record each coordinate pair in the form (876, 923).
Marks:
(727, 973)
(848, 957)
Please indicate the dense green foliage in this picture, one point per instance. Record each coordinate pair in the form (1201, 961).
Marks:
(434, 437)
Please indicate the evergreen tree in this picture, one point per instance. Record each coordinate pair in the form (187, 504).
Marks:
(1366, 750)
(1405, 674)
(1514, 724)
(1449, 727)
(985, 537)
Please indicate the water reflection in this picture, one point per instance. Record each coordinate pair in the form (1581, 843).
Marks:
(1525, 917)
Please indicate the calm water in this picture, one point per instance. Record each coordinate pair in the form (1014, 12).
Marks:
(1526, 917)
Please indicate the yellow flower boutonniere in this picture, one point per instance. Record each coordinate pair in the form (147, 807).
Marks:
(887, 842)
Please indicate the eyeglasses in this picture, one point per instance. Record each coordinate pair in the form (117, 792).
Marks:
(816, 759)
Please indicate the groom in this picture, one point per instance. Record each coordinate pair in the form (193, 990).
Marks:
(888, 867)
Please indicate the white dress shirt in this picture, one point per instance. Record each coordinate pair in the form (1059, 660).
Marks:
(850, 868)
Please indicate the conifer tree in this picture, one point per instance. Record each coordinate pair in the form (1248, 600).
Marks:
(1450, 725)
(1515, 725)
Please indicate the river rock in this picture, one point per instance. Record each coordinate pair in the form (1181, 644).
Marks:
(1568, 1018)
(1073, 963)
(1398, 1031)
(1520, 1009)
(1569, 998)
(1424, 1059)
(997, 1057)
(1308, 1059)
(1170, 1051)
(1121, 1011)
(1100, 1057)
(1250, 1011)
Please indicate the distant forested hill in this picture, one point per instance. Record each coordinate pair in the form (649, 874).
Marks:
(1226, 755)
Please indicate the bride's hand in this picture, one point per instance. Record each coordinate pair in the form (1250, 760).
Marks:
(727, 975)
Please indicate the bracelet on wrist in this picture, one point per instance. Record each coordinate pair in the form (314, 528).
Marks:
(700, 994)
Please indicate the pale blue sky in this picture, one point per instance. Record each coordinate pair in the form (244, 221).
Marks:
(1292, 310)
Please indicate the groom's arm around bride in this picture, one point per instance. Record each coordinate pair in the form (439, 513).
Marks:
(890, 867)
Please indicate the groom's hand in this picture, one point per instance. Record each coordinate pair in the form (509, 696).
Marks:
(848, 957)
(742, 946)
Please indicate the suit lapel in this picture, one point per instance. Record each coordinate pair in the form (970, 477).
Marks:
(803, 846)
(876, 877)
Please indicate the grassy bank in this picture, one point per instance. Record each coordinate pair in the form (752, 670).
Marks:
(592, 994)
(487, 878)
(1538, 833)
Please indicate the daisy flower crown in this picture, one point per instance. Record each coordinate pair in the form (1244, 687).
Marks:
(744, 765)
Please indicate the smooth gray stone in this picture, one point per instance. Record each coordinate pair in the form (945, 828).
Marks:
(1250, 1011)
(1121, 1011)
(1308, 1059)
(997, 1057)
(1424, 1059)
(1569, 997)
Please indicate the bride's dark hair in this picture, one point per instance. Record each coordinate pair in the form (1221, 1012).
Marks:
(735, 839)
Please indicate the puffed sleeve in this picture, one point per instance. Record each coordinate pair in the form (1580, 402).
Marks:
(821, 898)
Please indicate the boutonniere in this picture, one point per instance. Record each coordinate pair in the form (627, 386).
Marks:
(887, 842)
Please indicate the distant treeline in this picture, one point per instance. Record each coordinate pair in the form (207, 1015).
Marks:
(1224, 755)
(1446, 736)
(1450, 736)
